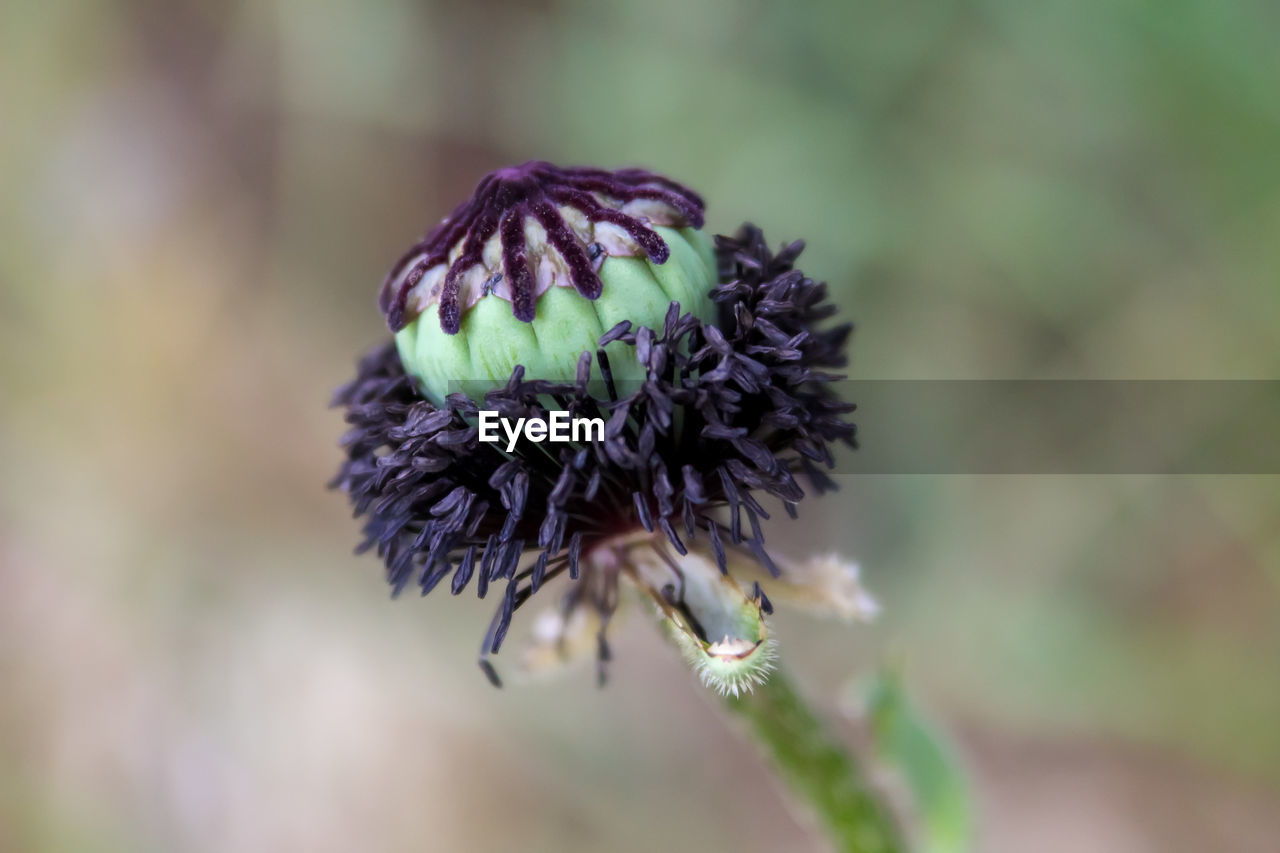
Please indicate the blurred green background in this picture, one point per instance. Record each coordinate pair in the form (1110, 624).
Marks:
(198, 202)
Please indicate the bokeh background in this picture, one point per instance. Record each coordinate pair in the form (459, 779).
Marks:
(198, 202)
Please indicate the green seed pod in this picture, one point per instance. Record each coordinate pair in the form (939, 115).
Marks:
(491, 340)
(537, 266)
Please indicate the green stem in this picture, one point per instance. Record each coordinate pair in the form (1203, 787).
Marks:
(817, 768)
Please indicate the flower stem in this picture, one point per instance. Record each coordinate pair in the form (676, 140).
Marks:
(816, 767)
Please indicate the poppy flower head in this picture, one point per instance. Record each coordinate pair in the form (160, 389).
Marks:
(732, 407)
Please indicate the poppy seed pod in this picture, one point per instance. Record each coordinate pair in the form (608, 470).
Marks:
(536, 266)
(712, 381)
